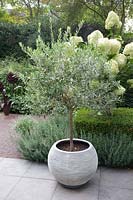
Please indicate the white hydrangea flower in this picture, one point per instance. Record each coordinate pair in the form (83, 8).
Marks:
(112, 20)
(104, 45)
(75, 40)
(128, 50)
(115, 46)
(112, 67)
(130, 82)
(120, 91)
(94, 36)
(109, 46)
(121, 60)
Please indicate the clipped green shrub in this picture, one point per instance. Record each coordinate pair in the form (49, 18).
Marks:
(37, 137)
(121, 121)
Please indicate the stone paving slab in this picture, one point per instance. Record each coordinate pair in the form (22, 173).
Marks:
(39, 171)
(25, 180)
(7, 183)
(14, 167)
(33, 189)
(112, 193)
(120, 178)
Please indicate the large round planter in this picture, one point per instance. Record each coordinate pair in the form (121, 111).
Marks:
(72, 169)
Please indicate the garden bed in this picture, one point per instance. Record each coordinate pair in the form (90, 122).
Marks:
(114, 144)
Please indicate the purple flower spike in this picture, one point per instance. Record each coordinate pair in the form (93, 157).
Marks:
(1, 87)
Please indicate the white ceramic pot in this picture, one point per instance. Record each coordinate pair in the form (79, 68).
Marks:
(72, 169)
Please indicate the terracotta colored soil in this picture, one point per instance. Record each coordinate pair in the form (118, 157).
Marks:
(8, 147)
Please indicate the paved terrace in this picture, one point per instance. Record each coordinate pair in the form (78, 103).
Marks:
(24, 180)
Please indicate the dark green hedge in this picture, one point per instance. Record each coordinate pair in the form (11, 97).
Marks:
(112, 136)
(12, 34)
(120, 121)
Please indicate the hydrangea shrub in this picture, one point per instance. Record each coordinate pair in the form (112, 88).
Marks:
(112, 47)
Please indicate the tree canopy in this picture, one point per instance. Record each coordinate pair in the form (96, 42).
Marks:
(92, 10)
(72, 12)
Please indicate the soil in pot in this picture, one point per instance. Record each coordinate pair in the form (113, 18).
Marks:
(78, 145)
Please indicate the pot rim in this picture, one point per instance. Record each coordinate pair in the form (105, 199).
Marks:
(73, 152)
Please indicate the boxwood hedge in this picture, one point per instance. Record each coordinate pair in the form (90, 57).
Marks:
(121, 121)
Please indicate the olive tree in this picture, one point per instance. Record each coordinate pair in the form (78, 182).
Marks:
(71, 75)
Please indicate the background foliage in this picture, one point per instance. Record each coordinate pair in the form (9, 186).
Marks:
(12, 34)
(23, 70)
(125, 74)
(22, 27)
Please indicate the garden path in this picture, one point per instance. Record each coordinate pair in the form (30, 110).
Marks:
(8, 147)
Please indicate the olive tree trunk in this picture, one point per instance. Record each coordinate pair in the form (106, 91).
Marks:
(71, 129)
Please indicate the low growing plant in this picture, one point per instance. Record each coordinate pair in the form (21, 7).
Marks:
(114, 149)
(36, 137)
